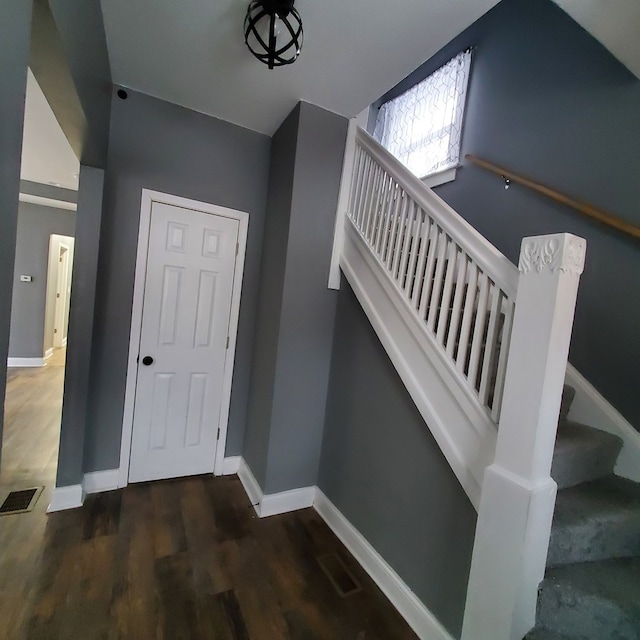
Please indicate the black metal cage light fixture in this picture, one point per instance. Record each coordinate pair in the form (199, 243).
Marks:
(273, 32)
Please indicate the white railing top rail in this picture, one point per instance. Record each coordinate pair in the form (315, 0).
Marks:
(489, 258)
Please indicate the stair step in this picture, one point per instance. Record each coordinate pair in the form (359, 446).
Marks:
(582, 454)
(595, 521)
(545, 634)
(592, 600)
(568, 394)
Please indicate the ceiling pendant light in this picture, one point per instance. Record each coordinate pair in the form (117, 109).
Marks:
(273, 32)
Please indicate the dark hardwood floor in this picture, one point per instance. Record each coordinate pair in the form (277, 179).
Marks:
(183, 559)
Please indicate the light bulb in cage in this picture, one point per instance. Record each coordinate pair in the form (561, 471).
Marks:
(273, 32)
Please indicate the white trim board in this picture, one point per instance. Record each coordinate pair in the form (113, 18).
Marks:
(250, 484)
(231, 465)
(148, 198)
(26, 362)
(591, 408)
(440, 177)
(48, 353)
(100, 481)
(275, 503)
(343, 203)
(63, 498)
(48, 202)
(73, 496)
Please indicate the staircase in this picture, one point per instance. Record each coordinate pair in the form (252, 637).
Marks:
(481, 346)
(591, 589)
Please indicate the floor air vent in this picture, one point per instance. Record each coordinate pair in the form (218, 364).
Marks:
(341, 578)
(20, 501)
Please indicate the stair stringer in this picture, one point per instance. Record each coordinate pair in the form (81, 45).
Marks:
(460, 425)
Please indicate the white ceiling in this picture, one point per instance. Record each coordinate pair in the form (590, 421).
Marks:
(46, 155)
(615, 23)
(193, 53)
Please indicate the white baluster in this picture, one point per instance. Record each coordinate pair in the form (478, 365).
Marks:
(425, 233)
(456, 314)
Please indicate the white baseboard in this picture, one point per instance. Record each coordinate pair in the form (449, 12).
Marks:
(285, 501)
(48, 353)
(72, 497)
(418, 617)
(100, 481)
(63, 498)
(250, 484)
(64, 342)
(231, 465)
(25, 362)
(591, 408)
(274, 503)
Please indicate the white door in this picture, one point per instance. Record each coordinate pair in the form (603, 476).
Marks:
(59, 333)
(185, 322)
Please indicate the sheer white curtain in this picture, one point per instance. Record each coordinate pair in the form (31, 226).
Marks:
(423, 126)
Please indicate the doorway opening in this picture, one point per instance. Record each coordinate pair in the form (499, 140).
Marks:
(58, 292)
(40, 302)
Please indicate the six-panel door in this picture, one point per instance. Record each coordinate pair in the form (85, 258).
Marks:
(185, 321)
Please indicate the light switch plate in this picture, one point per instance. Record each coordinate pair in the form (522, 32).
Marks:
(26, 278)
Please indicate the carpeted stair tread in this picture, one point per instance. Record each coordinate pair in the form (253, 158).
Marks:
(582, 454)
(545, 634)
(595, 521)
(592, 600)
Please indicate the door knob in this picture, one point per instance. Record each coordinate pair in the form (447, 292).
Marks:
(147, 360)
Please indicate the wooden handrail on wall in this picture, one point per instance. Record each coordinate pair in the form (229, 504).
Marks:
(582, 207)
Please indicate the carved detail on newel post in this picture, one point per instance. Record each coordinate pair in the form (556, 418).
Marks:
(554, 253)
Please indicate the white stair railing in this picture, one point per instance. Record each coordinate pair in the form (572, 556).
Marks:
(453, 279)
(503, 335)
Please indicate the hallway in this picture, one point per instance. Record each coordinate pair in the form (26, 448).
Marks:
(33, 407)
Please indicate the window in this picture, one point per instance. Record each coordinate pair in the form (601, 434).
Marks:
(423, 126)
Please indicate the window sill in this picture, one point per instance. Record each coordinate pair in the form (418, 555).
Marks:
(440, 177)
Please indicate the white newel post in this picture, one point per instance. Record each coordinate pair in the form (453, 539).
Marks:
(518, 494)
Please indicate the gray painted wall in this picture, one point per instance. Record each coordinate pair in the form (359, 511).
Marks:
(161, 146)
(15, 26)
(548, 101)
(293, 342)
(384, 471)
(80, 337)
(35, 226)
(269, 311)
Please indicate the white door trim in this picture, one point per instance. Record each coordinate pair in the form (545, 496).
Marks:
(61, 294)
(148, 198)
